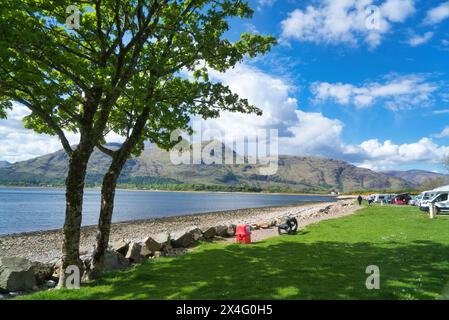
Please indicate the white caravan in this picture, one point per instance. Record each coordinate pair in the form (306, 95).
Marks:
(439, 196)
(425, 197)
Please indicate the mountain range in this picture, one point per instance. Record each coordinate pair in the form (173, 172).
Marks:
(4, 164)
(153, 167)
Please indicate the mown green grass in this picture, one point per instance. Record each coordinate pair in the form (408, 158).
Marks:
(324, 261)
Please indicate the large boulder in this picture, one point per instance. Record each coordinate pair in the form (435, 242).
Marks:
(263, 225)
(209, 233)
(152, 245)
(42, 272)
(16, 274)
(121, 247)
(133, 253)
(167, 248)
(157, 254)
(221, 231)
(144, 252)
(230, 231)
(184, 241)
(197, 234)
(115, 261)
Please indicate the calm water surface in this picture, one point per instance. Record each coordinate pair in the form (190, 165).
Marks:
(35, 209)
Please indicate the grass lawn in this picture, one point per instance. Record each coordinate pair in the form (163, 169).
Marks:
(324, 261)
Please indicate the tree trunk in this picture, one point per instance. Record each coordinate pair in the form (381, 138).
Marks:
(74, 206)
(108, 191)
(104, 222)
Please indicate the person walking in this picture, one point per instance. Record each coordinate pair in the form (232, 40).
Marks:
(359, 199)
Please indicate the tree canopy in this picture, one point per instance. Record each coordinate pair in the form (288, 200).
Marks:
(72, 79)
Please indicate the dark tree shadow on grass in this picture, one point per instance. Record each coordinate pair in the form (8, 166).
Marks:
(286, 270)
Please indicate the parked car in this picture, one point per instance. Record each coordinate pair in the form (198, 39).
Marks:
(383, 198)
(402, 199)
(414, 201)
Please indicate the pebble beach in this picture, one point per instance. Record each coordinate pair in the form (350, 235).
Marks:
(45, 246)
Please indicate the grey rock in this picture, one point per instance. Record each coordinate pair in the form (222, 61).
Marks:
(197, 234)
(121, 246)
(50, 284)
(209, 233)
(115, 261)
(184, 241)
(15, 294)
(221, 231)
(263, 224)
(152, 245)
(42, 271)
(157, 254)
(144, 252)
(167, 248)
(16, 274)
(133, 253)
(230, 231)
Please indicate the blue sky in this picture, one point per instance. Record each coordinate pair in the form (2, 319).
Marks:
(364, 84)
(392, 86)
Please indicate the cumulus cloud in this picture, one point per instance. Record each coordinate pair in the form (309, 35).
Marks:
(300, 133)
(272, 95)
(346, 21)
(396, 92)
(18, 143)
(418, 40)
(380, 155)
(437, 14)
(313, 134)
(443, 134)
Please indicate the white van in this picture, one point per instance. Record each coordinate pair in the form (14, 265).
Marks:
(425, 198)
(441, 198)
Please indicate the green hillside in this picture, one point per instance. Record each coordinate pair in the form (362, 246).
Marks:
(153, 167)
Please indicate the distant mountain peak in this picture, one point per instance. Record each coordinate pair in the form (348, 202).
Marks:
(416, 176)
(153, 166)
(4, 163)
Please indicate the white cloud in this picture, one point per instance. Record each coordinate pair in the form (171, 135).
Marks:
(313, 134)
(418, 40)
(265, 3)
(443, 134)
(301, 133)
(398, 10)
(18, 143)
(441, 111)
(388, 154)
(396, 92)
(345, 21)
(437, 14)
(310, 133)
(271, 94)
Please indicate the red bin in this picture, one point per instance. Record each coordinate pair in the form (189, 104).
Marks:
(243, 233)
